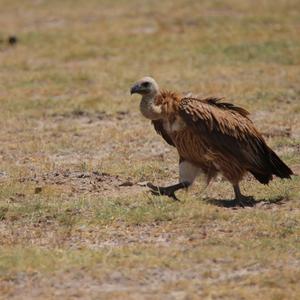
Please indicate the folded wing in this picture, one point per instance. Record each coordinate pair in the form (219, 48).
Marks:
(228, 131)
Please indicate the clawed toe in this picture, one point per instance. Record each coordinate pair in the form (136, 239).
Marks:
(245, 201)
(162, 191)
(152, 187)
(240, 199)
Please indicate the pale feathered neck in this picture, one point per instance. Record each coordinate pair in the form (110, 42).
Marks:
(149, 109)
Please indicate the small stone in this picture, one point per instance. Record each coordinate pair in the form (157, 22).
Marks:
(12, 40)
(38, 190)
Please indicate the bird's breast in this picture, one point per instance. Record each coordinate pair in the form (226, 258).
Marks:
(190, 146)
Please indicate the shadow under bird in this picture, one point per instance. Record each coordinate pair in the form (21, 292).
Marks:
(210, 136)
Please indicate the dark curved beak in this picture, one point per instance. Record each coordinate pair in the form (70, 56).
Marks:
(135, 89)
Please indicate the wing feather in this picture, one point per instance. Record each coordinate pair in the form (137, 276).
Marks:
(211, 117)
(226, 128)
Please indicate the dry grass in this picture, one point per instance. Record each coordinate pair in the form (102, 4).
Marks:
(71, 137)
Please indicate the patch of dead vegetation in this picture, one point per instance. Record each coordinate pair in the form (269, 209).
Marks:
(90, 117)
(79, 182)
(193, 282)
(73, 221)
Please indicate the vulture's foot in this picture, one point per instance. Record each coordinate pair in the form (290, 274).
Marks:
(240, 199)
(168, 190)
(244, 201)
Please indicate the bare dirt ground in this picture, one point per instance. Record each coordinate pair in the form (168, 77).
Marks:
(76, 221)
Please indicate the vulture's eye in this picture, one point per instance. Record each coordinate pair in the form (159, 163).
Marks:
(146, 84)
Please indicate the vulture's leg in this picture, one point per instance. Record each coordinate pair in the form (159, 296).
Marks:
(240, 199)
(187, 174)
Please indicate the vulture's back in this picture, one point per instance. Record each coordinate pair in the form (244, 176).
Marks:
(209, 132)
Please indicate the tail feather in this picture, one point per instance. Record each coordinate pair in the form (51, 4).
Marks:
(273, 165)
(279, 168)
(262, 178)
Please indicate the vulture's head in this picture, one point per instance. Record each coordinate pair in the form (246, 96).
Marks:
(146, 86)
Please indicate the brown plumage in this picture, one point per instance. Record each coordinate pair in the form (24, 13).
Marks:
(211, 136)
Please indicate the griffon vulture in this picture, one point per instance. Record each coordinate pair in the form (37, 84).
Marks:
(210, 136)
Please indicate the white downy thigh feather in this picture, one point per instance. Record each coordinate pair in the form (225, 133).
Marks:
(188, 172)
